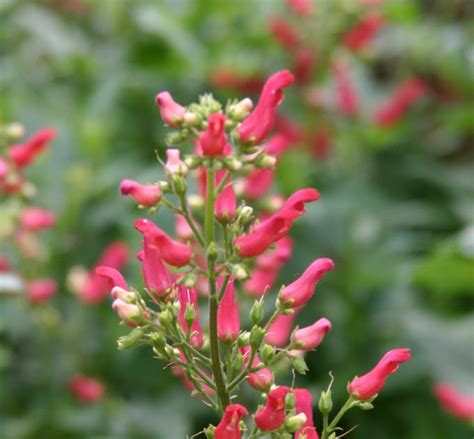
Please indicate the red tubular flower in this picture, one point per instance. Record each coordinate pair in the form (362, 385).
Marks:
(279, 332)
(22, 155)
(409, 92)
(261, 281)
(371, 383)
(312, 336)
(303, 64)
(85, 389)
(229, 427)
(301, 290)
(3, 169)
(286, 35)
(304, 404)
(301, 7)
(156, 276)
(294, 206)
(144, 194)
(258, 183)
(4, 265)
(228, 319)
(261, 379)
(213, 141)
(272, 415)
(174, 164)
(188, 296)
(113, 276)
(171, 112)
(173, 252)
(127, 312)
(320, 144)
(346, 95)
(224, 77)
(226, 204)
(363, 32)
(182, 229)
(259, 123)
(460, 406)
(261, 237)
(34, 218)
(98, 284)
(41, 290)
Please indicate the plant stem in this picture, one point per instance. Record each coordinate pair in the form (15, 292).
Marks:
(328, 430)
(213, 299)
(189, 220)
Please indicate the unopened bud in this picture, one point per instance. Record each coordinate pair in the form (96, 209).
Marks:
(295, 423)
(267, 353)
(212, 251)
(130, 340)
(256, 336)
(209, 432)
(164, 185)
(189, 314)
(240, 272)
(195, 201)
(165, 318)
(179, 183)
(237, 362)
(192, 161)
(189, 280)
(15, 131)
(175, 138)
(298, 364)
(265, 161)
(366, 405)
(325, 402)
(256, 314)
(126, 296)
(191, 119)
(232, 163)
(158, 341)
(290, 401)
(244, 339)
(241, 109)
(246, 214)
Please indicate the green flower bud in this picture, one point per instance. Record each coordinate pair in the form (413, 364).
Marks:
(240, 272)
(237, 362)
(232, 163)
(165, 318)
(267, 353)
(130, 340)
(175, 138)
(325, 402)
(189, 314)
(256, 314)
(191, 119)
(212, 251)
(192, 161)
(256, 336)
(158, 340)
(265, 161)
(298, 364)
(290, 401)
(164, 185)
(179, 183)
(246, 214)
(209, 432)
(294, 423)
(366, 405)
(244, 339)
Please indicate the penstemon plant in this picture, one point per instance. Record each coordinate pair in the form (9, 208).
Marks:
(224, 252)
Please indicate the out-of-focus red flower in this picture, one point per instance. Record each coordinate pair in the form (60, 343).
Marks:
(35, 218)
(22, 155)
(41, 290)
(364, 31)
(301, 7)
(86, 389)
(347, 99)
(320, 142)
(286, 35)
(459, 405)
(304, 62)
(224, 77)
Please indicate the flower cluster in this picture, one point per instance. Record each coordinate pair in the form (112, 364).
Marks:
(231, 239)
(21, 222)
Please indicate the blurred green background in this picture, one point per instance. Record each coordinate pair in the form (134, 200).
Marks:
(396, 207)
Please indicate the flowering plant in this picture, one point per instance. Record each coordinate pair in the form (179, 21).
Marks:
(225, 250)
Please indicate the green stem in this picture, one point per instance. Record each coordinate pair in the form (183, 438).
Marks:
(332, 426)
(189, 220)
(213, 299)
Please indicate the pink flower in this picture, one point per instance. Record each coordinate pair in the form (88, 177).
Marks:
(229, 427)
(34, 218)
(304, 404)
(371, 383)
(228, 319)
(173, 252)
(258, 183)
(284, 32)
(407, 93)
(182, 230)
(213, 141)
(320, 144)
(226, 204)
(312, 336)
(85, 389)
(144, 194)
(262, 379)
(113, 276)
(3, 169)
(459, 405)
(22, 155)
(261, 237)
(279, 332)
(261, 281)
(171, 112)
(224, 77)
(272, 415)
(41, 290)
(259, 123)
(129, 313)
(188, 296)
(346, 95)
(301, 290)
(174, 165)
(98, 284)
(301, 7)
(364, 31)
(4, 265)
(156, 276)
